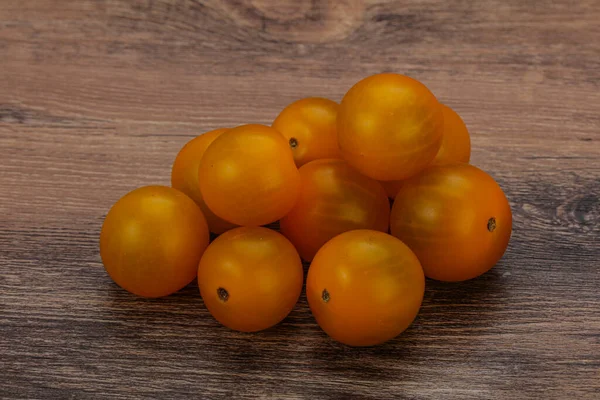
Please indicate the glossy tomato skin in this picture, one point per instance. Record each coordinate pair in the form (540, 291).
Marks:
(310, 127)
(184, 176)
(455, 148)
(455, 218)
(152, 240)
(250, 278)
(334, 198)
(389, 126)
(365, 287)
(248, 176)
(456, 142)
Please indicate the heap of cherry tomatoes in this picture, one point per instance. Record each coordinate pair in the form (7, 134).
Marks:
(325, 171)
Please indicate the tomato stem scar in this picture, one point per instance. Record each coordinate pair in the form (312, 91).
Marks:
(325, 296)
(223, 294)
(491, 225)
(293, 143)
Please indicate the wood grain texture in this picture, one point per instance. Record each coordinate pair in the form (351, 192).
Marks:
(97, 97)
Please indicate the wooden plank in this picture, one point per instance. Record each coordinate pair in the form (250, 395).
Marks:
(97, 97)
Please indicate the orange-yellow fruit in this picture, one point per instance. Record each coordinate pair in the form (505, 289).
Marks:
(389, 126)
(455, 218)
(184, 176)
(365, 287)
(152, 240)
(310, 127)
(456, 147)
(248, 176)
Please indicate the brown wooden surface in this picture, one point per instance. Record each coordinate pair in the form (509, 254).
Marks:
(97, 97)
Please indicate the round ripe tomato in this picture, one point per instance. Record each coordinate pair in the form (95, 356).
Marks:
(248, 176)
(334, 198)
(152, 240)
(365, 287)
(389, 126)
(250, 278)
(456, 147)
(456, 143)
(309, 125)
(184, 176)
(455, 218)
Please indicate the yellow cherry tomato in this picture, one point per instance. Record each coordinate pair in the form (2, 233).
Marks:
(248, 176)
(309, 125)
(365, 287)
(334, 198)
(455, 218)
(389, 126)
(250, 278)
(184, 176)
(456, 142)
(456, 147)
(152, 240)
